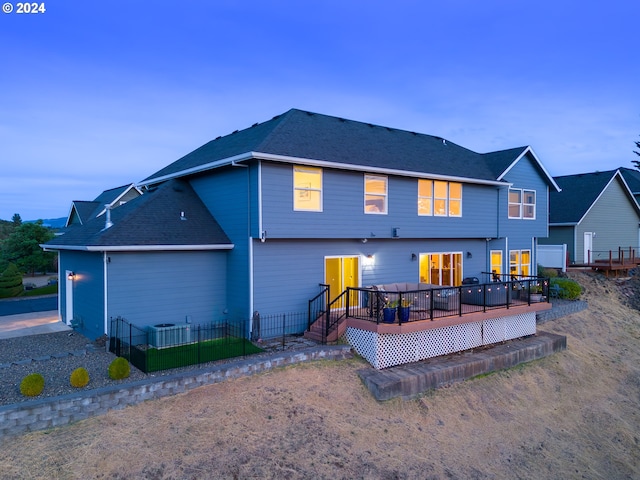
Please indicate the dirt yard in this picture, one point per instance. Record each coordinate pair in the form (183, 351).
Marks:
(575, 414)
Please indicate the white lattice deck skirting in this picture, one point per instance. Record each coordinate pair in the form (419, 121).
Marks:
(384, 350)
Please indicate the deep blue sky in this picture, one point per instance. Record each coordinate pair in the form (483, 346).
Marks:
(94, 95)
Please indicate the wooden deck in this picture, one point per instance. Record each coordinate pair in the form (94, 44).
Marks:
(621, 261)
(419, 320)
(439, 322)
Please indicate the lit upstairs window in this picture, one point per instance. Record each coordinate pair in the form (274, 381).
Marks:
(307, 189)
(375, 194)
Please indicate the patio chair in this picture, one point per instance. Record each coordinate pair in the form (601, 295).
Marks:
(556, 291)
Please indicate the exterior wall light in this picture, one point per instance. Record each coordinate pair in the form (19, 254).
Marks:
(368, 261)
(71, 275)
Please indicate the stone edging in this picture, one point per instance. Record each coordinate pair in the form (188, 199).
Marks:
(561, 309)
(47, 413)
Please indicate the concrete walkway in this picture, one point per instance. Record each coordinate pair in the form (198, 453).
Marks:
(32, 323)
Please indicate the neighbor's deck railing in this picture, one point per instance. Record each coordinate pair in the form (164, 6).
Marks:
(430, 304)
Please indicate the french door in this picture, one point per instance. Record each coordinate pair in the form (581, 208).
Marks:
(441, 268)
(340, 273)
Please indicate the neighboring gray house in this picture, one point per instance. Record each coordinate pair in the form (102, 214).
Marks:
(257, 219)
(593, 214)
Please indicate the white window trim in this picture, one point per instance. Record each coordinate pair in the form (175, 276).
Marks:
(529, 204)
(447, 200)
(430, 213)
(519, 264)
(521, 204)
(457, 199)
(491, 253)
(384, 195)
(299, 189)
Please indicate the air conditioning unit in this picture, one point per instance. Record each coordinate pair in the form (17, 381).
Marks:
(169, 334)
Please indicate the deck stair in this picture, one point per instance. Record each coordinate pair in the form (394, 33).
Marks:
(317, 331)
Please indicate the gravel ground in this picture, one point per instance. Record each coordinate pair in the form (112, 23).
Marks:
(55, 356)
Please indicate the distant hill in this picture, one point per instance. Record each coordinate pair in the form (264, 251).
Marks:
(52, 222)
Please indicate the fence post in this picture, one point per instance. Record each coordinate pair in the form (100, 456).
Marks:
(284, 321)
(199, 343)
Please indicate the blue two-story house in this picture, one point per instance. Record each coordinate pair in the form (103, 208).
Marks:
(256, 220)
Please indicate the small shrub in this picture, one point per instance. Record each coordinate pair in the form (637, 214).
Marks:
(79, 377)
(570, 289)
(119, 369)
(547, 272)
(32, 385)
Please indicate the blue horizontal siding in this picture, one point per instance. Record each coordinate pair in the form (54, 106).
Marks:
(343, 214)
(167, 287)
(227, 195)
(287, 273)
(525, 175)
(88, 290)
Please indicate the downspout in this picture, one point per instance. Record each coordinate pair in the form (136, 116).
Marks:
(507, 255)
(249, 245)
(105, 261)
(498, 213)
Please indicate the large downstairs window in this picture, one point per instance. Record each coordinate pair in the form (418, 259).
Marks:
(375, 194)
(496, 263)
(522, 203)
(520, 262)
(439, 198)
(441, 268)
(307, 189)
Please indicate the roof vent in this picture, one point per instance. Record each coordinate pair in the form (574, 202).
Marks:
(108, 223)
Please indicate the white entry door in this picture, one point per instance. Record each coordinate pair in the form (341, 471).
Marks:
(588, 246)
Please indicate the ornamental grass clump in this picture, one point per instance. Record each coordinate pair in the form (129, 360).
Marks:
(119, 369)
(79, 378)
(32, 385)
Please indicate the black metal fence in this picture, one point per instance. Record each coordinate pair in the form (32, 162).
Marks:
(431, 303)
(166, 346)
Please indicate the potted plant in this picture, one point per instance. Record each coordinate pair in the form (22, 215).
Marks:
(536, 292)
(404, 309)
(389, 311)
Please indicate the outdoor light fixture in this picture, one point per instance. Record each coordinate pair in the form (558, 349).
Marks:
(469, 255)
(368, 260)
(71, 276)
(414, 257)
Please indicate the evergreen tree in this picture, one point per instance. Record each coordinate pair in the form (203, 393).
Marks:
(23, 249)
(636, 163)
(10, 282)
(17, 221)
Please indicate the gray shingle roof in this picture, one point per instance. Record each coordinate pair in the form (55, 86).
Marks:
(85, 210)
(109, 196)
(578, 194)
(319, 137)
(632, 177)
(153, 219)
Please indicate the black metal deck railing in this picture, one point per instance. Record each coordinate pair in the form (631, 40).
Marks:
(381, 306)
